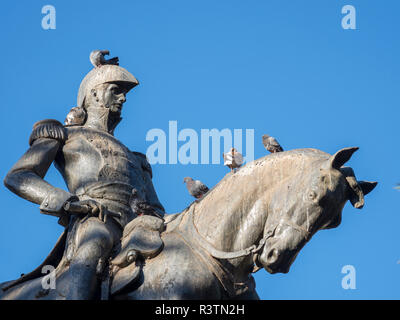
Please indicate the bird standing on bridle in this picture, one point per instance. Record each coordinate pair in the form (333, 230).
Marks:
(196, 188)
(233, 159)
(98, 60)
(271, 144)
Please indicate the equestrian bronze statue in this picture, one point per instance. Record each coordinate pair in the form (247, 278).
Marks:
(118, 243)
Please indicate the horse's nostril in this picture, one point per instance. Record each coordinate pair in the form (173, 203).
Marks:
(272, 256)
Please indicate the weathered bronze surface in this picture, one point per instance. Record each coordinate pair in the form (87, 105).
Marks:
(118, 244)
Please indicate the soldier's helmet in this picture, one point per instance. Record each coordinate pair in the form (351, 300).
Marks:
(105, 73)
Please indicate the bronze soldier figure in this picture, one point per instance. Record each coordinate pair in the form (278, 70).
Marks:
(101, 174)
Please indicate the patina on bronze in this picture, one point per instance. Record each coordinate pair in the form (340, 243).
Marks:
(118, 244)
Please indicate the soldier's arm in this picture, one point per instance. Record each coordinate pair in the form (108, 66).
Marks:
(26, 177)
(151, 195)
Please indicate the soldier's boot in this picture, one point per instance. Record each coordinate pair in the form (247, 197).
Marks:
(141, 239)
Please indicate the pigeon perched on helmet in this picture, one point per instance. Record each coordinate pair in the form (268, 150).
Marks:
(98, 60)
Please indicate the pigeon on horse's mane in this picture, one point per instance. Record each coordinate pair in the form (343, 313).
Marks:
(271, 144)
(195, 187)
(233, 159)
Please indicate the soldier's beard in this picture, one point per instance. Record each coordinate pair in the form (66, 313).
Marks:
(103, 119)
(114, 118)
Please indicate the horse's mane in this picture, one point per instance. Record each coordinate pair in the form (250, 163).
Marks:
(300, 156)
(295, 154)
(274, 167)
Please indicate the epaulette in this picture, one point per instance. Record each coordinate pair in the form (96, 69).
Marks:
(48, 128)
(145, 164)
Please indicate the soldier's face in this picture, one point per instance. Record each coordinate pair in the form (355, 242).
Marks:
(114, 96)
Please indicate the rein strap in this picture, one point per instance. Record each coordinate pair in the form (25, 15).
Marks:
(224, 254)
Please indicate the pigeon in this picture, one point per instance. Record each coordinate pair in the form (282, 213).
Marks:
(140, 206)
(233, 159)
(271, 144)
(75, 117)
(195, 187)
(98, 60)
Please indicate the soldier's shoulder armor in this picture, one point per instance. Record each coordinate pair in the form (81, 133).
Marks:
(145, 164)
(48, 128)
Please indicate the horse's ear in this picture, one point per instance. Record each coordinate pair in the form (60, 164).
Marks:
(367, 186)
(355, 193)
(341, 157)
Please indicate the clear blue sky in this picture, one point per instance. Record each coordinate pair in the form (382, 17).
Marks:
(281, 67)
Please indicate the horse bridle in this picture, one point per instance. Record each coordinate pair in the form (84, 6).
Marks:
(253, 249)
(307, 234)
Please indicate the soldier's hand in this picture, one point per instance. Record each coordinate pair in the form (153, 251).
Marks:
(95, 209)
(76, 207)
(85, 207)
(91, 208)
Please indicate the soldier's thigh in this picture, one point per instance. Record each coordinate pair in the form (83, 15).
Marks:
(96, 232)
